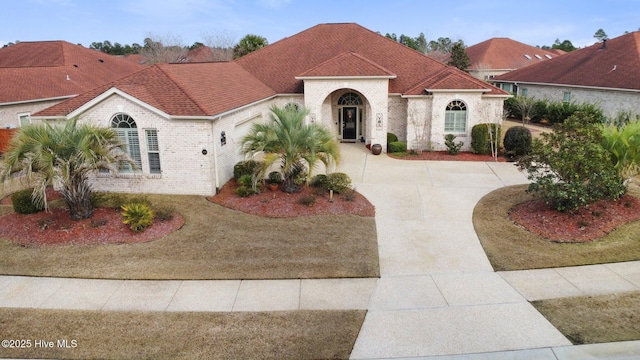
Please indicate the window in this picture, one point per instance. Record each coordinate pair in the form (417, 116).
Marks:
(506, 87)
(525, 92)
(127, 130)
(153, 151)
(566, 97)
(350, 99)
(455, 118)
(24, 119)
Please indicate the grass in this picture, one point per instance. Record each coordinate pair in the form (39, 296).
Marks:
(510, 247)
(594, 319)
(166, 335)
(215, 243)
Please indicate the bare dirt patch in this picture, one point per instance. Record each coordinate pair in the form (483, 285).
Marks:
(585, 224)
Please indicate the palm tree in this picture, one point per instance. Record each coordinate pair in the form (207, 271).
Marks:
(64, 154)
(287, 139)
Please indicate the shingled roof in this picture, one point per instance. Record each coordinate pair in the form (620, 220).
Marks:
(505, 54)
(331, 50)
(279, 63)
(612, 64)
(56, 69)
(191, 89)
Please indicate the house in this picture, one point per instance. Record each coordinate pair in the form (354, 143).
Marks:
(606, 73)
(183, 122)
(37, 75)
(498, 56)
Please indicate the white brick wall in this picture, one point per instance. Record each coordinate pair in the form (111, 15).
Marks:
(611, 101)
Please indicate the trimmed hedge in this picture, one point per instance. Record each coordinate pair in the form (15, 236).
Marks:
(480, 142)
(338, 182)
(247, 167)
(397, 146)
(517, 142)
(391, 137)
(23, 202)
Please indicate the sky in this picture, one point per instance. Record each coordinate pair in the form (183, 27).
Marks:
(185, 22)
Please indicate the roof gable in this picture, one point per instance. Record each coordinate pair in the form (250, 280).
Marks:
(193, 89)
(348, 64)
(614, 64)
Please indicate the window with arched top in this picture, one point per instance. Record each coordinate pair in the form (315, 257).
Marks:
(127, 130)
(350, 98)
(455, 119)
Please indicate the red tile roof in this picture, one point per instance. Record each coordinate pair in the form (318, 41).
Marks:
(505, 54)
(53, 69)
(614, 65)
(192, 89)
(208, 89)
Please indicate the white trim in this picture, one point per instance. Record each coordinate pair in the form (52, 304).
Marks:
(37, 100)
(376, 77)
(565, 85)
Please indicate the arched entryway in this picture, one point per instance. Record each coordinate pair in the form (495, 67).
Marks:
(350, 108)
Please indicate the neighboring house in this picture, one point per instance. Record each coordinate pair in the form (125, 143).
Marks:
(498, 56)
(607, 74)
(36, 75)
(183, 122)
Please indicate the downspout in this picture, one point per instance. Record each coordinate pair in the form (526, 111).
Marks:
(215, 158)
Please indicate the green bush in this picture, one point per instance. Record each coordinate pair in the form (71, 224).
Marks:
(245, 180)
(246, 167)
(391, 137)
(517, 142)
(452, 147)
(397, 147)
(569, 168)
(275, 177)
(338, 182)
(623, 144)
(318, 180)
(480, 142)
(137, 215)
(23, 202)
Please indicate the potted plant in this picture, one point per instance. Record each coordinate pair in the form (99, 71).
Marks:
(274, 180)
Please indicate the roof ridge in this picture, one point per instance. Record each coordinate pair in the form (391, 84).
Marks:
(179, 85)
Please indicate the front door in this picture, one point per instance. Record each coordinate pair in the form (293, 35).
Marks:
(349, 121)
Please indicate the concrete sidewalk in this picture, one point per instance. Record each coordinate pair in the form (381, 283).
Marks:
(437, 298)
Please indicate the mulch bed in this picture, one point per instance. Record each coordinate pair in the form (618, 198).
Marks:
(443, 155)
(586, 224)
(55, 227)
(278, 204)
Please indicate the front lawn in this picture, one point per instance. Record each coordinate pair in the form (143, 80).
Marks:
(214, 243)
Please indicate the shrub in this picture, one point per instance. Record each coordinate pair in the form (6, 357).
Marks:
(623, 144)
(570, 168)
(137, 215)
(517, 142)
(338, 182)
(275, 177)
(23, 202)
(246, 167)
(397, 147)
(244, 191)
(318, 180)
(245, 180)
(391, 137)
(164, 212)
(480, 141)
(307, 200)
(350, 195)
(452, 147)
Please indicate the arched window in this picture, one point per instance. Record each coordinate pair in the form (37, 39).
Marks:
(127, 130)
(455, 118)
(350, 99)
